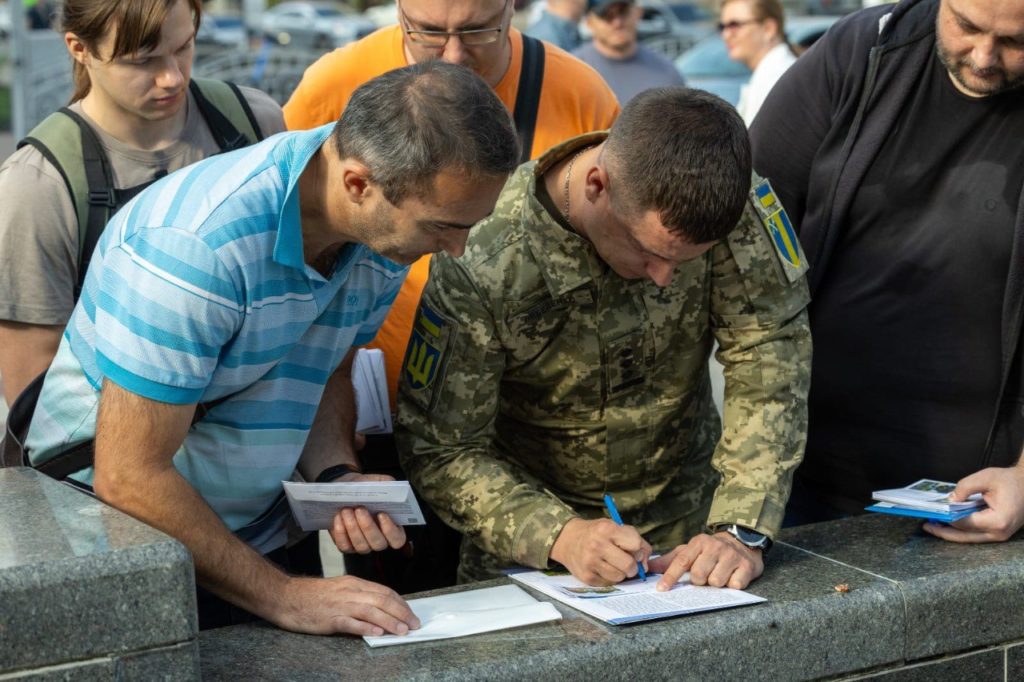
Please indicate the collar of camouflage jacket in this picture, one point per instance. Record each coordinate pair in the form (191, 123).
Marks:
(567, 260)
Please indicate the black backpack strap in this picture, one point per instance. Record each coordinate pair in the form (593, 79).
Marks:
(531, 78)
(102, 197)
(219, 103)
(12, 450)
(247, 110)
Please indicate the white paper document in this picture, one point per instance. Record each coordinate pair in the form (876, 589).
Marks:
(315, 504)
(470, 613)
(634, 600)
(373, 408)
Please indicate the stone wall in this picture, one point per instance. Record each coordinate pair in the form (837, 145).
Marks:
(88, 592)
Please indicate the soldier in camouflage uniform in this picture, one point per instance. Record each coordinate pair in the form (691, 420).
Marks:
(565, 356)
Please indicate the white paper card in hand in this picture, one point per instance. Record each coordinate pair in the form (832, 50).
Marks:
(471, 613)
(369, 380)
(315, 504)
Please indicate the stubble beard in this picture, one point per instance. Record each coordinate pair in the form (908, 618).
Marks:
(956, 66)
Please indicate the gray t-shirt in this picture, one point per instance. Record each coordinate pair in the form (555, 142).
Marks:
(628, 77)
(38, 224)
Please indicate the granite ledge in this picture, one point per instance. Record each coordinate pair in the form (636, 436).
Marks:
(83, 580)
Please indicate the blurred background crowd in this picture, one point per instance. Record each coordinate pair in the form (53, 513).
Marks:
(268, 44)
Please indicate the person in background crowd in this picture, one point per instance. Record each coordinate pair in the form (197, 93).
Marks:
(39, 15)
(616, 53)
(558, 23)
(132, 67)
(211, 351)
(564, 357)
(896, 144)
(754, 32)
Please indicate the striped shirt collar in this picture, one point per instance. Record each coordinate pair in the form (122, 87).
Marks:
(291, 159)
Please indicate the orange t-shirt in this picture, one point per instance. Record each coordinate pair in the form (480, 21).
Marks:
(574, 100)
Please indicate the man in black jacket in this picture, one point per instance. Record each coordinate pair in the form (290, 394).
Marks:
(895, 144)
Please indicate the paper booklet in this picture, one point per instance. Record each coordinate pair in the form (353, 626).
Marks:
(315, 504)
(926, 499)
(634, 600)
(373, 408)
(470, 613)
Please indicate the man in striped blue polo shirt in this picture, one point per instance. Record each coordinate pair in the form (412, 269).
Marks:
(212, 343)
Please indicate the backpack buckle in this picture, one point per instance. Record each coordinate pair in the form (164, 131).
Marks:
(102, 197)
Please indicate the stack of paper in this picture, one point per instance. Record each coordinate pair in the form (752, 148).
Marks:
(926, 499)
(470, 613)
(633, 600)
(373, 409)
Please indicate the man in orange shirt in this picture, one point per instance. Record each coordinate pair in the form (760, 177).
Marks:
(563, 96)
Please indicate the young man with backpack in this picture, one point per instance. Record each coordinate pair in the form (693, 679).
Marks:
(135, 116)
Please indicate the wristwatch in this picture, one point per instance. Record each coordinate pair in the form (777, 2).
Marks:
(750, 538)
(336, 471)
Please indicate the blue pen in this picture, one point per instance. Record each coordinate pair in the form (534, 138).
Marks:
(613, 511)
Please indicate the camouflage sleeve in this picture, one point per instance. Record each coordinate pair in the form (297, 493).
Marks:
(759, 312)
(447, 403)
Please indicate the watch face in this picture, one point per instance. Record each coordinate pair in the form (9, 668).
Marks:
(750, 538)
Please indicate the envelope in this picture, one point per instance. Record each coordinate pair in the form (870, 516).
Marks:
(314, 505)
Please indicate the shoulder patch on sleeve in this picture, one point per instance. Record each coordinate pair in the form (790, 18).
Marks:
(780, 231)
(429, 343)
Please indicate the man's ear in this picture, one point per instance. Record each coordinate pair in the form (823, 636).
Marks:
(355, 180)
(596, 183)
(77, 49)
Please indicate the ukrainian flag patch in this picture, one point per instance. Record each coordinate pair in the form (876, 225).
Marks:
(780, 231)
(425, 354)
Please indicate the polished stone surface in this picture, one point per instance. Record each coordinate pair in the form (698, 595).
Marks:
(791, 637)
(958, 597)
(984, 666)
(80, 580)
(178, 663)
(1015, 662)
(101, 670)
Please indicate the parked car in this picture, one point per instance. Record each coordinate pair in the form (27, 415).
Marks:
(316, 25)
(707, 66)
(687, 19)
(833, 6)
(221, 30)
(382, 15)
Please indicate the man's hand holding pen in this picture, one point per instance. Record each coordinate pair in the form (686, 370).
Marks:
(600, 552)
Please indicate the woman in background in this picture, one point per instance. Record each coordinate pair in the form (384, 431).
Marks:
(754, 33)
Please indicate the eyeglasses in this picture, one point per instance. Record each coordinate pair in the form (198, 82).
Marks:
(469, 36)
(733, 25)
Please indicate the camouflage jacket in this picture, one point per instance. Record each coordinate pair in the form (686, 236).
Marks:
(537, 379)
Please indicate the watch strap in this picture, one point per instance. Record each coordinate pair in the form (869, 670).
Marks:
(336, 471)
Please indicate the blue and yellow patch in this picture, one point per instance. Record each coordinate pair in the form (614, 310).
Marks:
(780, 231)
(426, 349)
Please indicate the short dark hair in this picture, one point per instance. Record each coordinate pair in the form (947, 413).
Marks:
(685, 154)
(410, 124)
